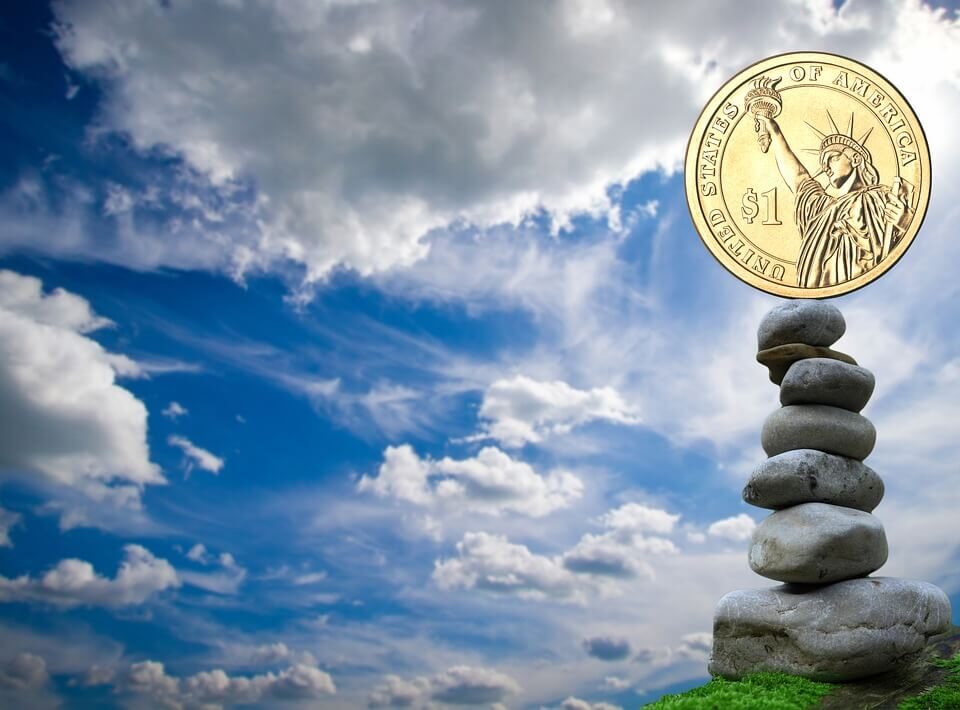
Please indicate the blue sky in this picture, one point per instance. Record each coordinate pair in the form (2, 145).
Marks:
(365, 355)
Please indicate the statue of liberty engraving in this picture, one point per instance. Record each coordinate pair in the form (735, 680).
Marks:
(851, 229)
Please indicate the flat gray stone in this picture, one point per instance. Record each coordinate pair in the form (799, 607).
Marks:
(840, 632)
(803, 321)
(820, 427)
(779, 359)
(820, 380)
(817, 543)
(809, 476)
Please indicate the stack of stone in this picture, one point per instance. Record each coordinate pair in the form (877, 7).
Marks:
(829, 621)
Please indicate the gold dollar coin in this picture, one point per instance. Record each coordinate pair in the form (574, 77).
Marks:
(807, 175)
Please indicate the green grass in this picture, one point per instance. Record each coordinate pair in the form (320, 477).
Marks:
(759, 691)
(943, 697)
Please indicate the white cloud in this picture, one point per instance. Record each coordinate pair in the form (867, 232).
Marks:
(271, 653)
(395, 692)
(616, 554)
(195, 456)
(25, 670)
(74, 582)
(616, 683)
(696, 645)
(24, 296)
(150, 678)
(521, 410)
(97, 675)
(573, 703)
(466, 685)
(174, 410)
(198, 553)
(216, 688)
(737, 528)
(494, 564)
(623, 551)
(458, 685)
(636, 517)
(119, 200)
(225, 580)
(491, 483)
(309, 578)
(25, 683)
(8, 520)
(66, 420)
(401, 142)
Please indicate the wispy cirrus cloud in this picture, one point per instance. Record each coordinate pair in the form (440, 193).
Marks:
(195, 456)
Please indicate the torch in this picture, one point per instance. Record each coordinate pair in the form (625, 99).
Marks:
(763, 100)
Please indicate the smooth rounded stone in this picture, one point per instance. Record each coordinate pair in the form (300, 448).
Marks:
(817, 543)
(809, 476)
(779, 359)
(821, 380)
(803, 321)
(839, 632)
(820, 427)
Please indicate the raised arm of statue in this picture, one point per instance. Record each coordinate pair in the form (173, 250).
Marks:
(792, 170)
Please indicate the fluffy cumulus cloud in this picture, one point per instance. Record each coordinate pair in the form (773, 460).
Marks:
(73, 582)
(25, 683)
(458, 685)
(623, 550)
(196, 457)
(395, 692)
(737, 528)
(214, 689)
(493, 564)
(491, 483)
(25, 670)
(639, 518)
(273, 653)
(521, 410)
(607, 648)
(616, 554)
(398, 119)
(65, 418)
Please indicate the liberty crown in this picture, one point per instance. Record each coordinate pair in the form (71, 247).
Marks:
(840, 139)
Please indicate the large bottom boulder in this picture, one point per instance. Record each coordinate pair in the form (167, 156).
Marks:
(837, 632)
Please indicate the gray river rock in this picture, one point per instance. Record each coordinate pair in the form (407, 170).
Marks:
(809, 476)
(844, 631)
(817, 543)
(821, 380)
(803, 321)
(818, 426)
